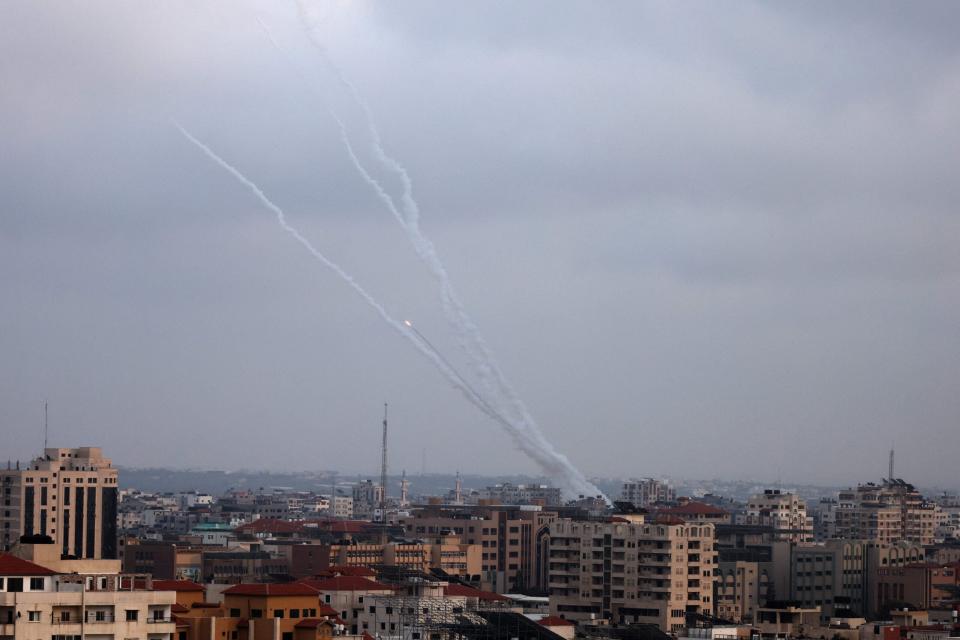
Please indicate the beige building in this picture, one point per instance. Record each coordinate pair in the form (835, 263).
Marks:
(631, 571)
(37, 603)
(786, 513)
(67, 494)
(647, 491)
(742, 587)
(510, 539)
(890, 512)
(776, 623)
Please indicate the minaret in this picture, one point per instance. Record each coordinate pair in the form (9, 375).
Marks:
(404, 490)
(458, 491)
(890, 474)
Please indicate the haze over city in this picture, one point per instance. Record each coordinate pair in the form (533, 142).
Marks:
(703, 240)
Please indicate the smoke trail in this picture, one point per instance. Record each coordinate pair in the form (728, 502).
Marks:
(515, 426)
(522, 440)
(471, 341)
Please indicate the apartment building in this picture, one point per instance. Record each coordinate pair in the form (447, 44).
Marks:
(889, 512)
(366, 499)
(630, 572)
(647, 491)
(837, 577)
(236, 565)
(67, 494)
(832, 576)
(348, 596)
(921, 586)
(37, 602)
(508, 493)
(270, 610)
(692, 511)
(511, 539)
(162, 560)
(784, 512)
(742, 587)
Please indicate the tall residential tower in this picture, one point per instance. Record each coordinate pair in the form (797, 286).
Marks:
(67, 494)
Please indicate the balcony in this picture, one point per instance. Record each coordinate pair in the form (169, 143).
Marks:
(159, 620)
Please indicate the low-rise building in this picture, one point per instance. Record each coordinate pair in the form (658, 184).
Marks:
(37, 602)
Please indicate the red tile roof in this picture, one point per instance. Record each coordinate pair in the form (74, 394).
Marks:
(348, 526)
(288, 589)
(179, 586)
(470, 592)
(178, 608)
(327, 611)
(11, 565)
(365, 572)
(312, 623)
(556, 621)
(346, 583)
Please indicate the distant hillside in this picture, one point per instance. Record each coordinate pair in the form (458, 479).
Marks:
(219, 482)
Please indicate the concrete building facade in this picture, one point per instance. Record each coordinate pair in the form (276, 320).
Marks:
(784, 512)
(69, 495)
(630, 572)
(37, 603)
(510, 539)
(890, 512)
(647, 491)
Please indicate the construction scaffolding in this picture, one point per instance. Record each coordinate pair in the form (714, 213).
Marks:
(433, 618)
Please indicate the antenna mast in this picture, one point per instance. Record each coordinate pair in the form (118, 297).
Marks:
(383, 470)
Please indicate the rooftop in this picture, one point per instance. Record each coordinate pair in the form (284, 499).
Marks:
(265, 590)
(11, 565)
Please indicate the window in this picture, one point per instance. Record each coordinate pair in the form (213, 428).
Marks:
(100, 616)
(132, 615)
(234, 613)
(15, 585)
(278, 613)
(33, 616)
(294, 613)
(36, 584)
(313, 613)
(256, 613)
(287, 635)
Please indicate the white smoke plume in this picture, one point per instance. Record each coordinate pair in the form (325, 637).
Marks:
(483, 363)
(522, 440)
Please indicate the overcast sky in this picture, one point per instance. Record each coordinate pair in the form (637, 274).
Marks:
(703, 239)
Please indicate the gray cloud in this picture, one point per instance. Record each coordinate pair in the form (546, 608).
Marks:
(704, 239)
